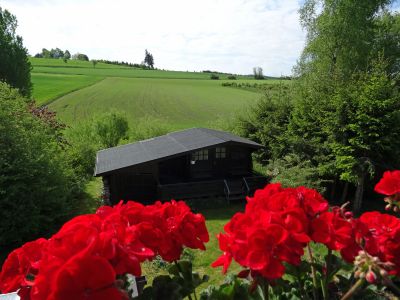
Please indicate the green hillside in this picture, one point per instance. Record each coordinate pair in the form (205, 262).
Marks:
(179, 102)
(76, 90)
(47, 87)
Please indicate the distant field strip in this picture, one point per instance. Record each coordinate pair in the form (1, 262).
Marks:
(181, 103)
(47, 87)
(122, 72)
(58, 66)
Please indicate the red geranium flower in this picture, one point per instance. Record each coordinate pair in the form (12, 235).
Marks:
(331, 229)
(274, 228)
(389, 184)
(82, 260)
(20, 264)
(85, 277)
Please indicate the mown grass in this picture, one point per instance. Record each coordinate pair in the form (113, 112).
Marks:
(216, 218)
(177, 102)
(47, 87)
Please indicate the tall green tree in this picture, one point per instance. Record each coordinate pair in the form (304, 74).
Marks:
(367, 129)
(15, 67)
(267, 122)
(67, 54)
(148, 59)
(344, 37)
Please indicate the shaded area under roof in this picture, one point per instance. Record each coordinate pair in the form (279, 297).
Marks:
(164, 146)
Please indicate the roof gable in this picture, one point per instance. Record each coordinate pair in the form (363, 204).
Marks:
(171, 144)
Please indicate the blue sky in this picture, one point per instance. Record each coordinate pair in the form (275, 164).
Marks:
(226, 35)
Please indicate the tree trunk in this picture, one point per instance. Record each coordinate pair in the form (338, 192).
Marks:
(344, 194)
(333, 191)
(359, 192)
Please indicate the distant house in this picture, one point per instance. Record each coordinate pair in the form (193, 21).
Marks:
(188, 164)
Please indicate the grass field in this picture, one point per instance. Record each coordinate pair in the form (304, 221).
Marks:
(77, 91)
(181, 103)
(47, 87)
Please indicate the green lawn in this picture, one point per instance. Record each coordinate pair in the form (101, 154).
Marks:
(181, 103)
(216, 219)
(47, 87)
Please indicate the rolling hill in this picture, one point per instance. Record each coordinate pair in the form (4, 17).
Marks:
(76, 91)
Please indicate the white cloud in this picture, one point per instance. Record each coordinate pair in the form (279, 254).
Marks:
(226, 35)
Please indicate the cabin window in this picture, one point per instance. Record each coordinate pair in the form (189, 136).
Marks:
(200, 155)
(220, 152)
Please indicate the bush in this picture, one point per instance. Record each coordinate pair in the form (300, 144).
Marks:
(111, 128)
(38, 188)
(214, 77)
(232, 77)
(83, 147)
(80, 56)
(86, 138)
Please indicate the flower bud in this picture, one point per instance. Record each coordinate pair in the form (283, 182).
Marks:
(361, 253)
(370, 276)
(396, 209)
(388, 207)
(357, 274)
(348, 214)
(383, 272)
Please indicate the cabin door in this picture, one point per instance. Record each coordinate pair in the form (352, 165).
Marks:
(220, 163)
(201, 164)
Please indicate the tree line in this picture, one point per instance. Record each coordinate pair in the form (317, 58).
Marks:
(57, 53)
(338, 126)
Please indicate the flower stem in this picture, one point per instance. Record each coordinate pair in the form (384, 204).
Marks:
(353, 289)
(180, 271)
(265, 288)
(314, 274)
(327, 275)
(301, 288)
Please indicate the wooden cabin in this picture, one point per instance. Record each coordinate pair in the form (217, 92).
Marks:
(188, 164)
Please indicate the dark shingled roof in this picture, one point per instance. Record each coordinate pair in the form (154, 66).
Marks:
(164, 146)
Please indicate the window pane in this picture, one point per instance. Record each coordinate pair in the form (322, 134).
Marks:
(200, 155)
(220, 152)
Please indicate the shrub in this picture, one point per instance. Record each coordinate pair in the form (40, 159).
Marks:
(214, 77)
(38, 188)
(86, 138)
(231, 77)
